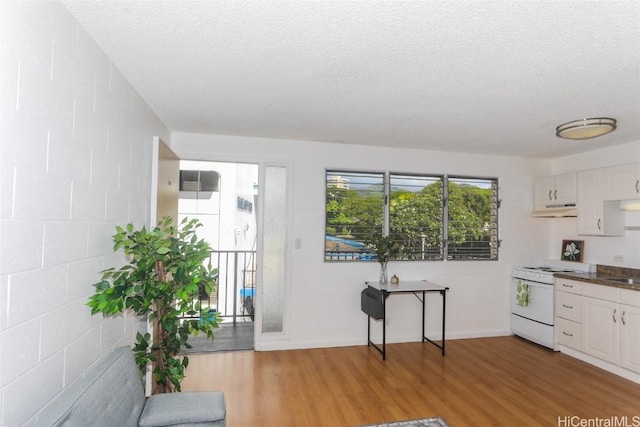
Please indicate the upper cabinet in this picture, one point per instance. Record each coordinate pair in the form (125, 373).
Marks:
(595, 215)
(622, 182)
(555, 190)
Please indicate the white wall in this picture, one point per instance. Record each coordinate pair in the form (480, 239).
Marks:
(325, 297)
(599, 249)
(75, 159)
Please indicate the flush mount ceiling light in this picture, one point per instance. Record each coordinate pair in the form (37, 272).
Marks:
(586, 128)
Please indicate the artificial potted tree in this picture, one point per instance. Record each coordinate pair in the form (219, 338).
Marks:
(168, 269)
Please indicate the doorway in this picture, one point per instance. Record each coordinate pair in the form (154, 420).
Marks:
(223, 196)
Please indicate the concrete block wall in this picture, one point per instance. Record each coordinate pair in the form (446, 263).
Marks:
(75, 160)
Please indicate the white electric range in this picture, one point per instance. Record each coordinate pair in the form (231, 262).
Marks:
(535, 321)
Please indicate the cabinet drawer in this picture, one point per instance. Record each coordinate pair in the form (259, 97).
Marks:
(569, 306)
(571, 286)
(568, 333)
(630, 297)
(602, 292)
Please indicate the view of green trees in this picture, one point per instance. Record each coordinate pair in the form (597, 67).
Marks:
(415, 218)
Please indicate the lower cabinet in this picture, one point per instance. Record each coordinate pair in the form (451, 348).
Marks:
(568, 325)
(601, 329)
(593, 320)
(569, 333)
(630, 337)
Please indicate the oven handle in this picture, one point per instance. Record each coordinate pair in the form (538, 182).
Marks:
(534, 284)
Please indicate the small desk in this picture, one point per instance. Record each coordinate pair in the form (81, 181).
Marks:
(414, 287)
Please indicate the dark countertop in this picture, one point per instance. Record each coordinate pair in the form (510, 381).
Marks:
(602, 273)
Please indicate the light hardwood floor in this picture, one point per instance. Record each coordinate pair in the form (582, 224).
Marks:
(504, 381)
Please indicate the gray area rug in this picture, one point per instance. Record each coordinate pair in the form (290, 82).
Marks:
(225, 338)
(425, 422)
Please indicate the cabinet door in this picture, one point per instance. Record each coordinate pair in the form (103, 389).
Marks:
(622, 182)
(564, 188)
(543, 190)
(600, 329)
(630, 337)
(590, 202)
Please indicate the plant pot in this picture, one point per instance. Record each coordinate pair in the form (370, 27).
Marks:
(384, 278)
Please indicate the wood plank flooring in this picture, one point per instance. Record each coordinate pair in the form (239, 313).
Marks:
(504, 381)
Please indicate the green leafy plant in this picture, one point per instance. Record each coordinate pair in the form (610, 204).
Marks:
(385, 247)
(168, 268)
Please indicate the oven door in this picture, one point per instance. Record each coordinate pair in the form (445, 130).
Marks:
(541, 304)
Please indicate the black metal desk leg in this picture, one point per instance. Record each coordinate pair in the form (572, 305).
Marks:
(384, 327)
(368, 331)
(423, 312)
(444, 305)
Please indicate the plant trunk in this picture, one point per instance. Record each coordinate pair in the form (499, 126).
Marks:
(159, 338)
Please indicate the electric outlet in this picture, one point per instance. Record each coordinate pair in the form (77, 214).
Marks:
(618, 258)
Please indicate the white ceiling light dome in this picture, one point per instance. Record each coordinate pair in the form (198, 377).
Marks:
(586, 128)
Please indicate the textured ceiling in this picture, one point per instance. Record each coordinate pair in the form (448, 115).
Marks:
(491, 77)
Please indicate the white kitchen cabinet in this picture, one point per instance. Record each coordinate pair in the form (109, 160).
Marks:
(570, 286)
(569, 306)
(622, 182)
(630, 330)
(600, 329)
(595, 216)
(568, 321)
(568, 333)
(630, 337)
(555, 190)
(611, 325)
(599, 321)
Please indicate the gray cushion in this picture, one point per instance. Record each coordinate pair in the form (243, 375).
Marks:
(206, 408)
(110, 394)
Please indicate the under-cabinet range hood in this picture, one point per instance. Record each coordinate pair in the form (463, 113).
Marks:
(555, 211)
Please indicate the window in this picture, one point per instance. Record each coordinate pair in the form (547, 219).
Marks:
(415, 215)
(472, 219)
(431, 216)
(354, 210)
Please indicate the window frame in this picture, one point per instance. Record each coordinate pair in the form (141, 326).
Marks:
(386, 216)
(494, 243)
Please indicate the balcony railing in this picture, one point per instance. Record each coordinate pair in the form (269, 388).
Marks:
(234, 295)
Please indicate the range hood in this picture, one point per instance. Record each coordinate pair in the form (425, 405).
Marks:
(555, 211)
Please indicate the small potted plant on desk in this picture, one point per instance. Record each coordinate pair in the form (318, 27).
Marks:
(386, 248)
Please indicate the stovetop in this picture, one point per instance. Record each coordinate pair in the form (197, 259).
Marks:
(544, 273)
(544, 268)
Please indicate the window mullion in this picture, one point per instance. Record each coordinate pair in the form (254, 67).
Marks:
(445, 216)
(387, 203)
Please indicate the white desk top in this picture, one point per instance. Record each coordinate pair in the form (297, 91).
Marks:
(409, 286)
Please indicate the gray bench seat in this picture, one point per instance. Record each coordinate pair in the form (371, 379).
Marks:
(111, 394)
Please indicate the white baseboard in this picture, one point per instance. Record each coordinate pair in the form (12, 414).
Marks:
(307, 344)
(609, 367)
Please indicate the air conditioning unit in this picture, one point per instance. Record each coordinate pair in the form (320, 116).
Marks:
(199, 181)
